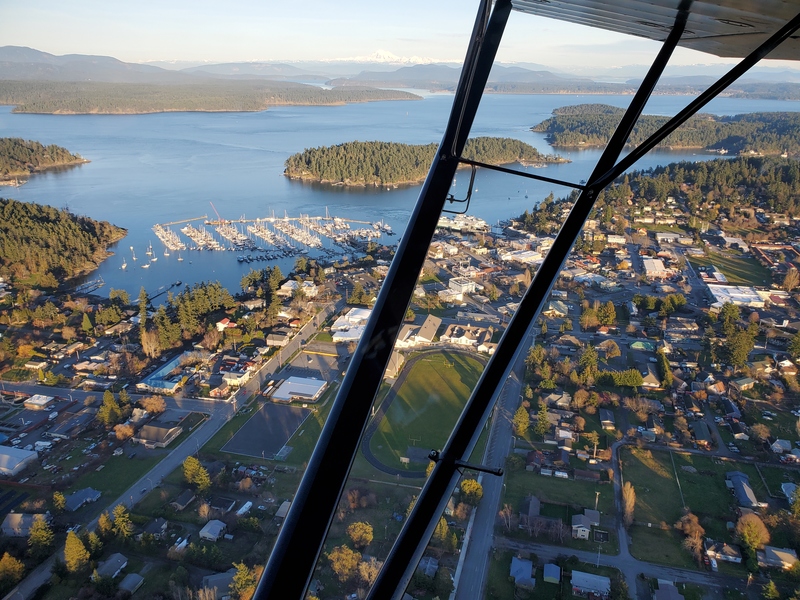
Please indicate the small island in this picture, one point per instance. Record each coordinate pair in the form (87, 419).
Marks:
(390, 163)
(20, 158)
(42, 246)
(591, 125)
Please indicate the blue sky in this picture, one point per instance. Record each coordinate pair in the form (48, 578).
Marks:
(203, 30)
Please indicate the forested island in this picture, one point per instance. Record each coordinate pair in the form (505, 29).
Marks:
(588, 125)
(57, 97)
(44, 246)
(20, 158)
(390, 163)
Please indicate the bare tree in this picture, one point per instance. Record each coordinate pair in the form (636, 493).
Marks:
(538, 526)
(506, 514)
(628, 503)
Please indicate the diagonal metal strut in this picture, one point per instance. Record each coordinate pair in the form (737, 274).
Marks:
(416, 532)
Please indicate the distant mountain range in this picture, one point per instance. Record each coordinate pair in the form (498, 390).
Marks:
(26, 64)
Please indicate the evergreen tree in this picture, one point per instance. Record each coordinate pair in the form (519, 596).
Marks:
(522, 421)
(123, 526)
(243, 583)
(542, 424)
(59, 502)
(41, 539)
(76, 556)
(12, 570)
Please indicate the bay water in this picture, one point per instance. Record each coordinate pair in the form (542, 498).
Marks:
(167, 167)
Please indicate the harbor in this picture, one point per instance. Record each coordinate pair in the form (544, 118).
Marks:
(271, 238)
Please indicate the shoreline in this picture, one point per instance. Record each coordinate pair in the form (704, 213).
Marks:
(20, 179)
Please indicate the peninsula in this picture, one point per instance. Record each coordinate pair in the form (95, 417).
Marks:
(19, 158)
(42, 246)
(390, 163)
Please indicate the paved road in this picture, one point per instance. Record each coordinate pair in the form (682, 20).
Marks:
(472, 570)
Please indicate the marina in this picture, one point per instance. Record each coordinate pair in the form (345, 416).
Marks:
(271, 238)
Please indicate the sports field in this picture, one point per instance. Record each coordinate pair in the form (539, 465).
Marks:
(428, 401)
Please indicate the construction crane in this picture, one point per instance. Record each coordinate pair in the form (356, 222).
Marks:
(220, 220)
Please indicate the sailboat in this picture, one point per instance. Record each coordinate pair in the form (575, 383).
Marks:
(180, 258)
(166, 251)
(124, 264)
(146, 266)
(133, 253)
(150, 249)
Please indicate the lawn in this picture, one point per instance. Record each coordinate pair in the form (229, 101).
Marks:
(426, 407)
(521, 484)
(119, 474)
(662, 546)
(653, 479)
(738, 269)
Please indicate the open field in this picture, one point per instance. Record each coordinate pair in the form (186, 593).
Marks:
(738, 269)
(521, 484)
(425, 408)
(662, 546)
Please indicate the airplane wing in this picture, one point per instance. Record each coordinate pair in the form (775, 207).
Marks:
(727, 28)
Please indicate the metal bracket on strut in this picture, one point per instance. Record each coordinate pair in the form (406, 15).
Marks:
(435, 456)
(452, 199)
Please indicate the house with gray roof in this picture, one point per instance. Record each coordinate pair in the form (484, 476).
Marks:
(112, 566)
(740, 484)
(220, 583)
(81, 497)
(19, 524)
(522, 571)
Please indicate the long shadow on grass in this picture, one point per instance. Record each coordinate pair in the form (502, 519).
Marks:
(381, 412)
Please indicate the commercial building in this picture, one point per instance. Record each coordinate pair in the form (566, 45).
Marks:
(14, 460)
(302, 389)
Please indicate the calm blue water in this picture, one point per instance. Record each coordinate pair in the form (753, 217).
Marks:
(148, 169)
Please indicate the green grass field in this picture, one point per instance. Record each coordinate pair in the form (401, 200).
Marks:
(521, 484)
(738, 269)
(426, 406)
(662, 546)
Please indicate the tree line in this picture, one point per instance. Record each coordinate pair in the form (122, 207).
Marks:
(87, 97)
(43, 246)
(587, 125)
(382, 163)
(20, 158)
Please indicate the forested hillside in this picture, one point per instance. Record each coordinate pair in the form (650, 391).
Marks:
(710, 188)
(43, 246)
(588, 125)
(384, 163)
(20, 158)
(133, 98)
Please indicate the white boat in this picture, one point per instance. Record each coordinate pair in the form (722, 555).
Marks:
(166, 252)
(133, 253)
(180, 258)
(154, 259)
(150, 250)
(146, 266)
(124, 264)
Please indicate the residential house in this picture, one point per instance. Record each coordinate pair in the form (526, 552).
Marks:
(722, 551)
(587, 585)
(743, 384)
(650, 378)
(716, 389)
(224, 324)
(556, 308)
(112, 566)
(702, 434)
(427, 332)
(523, 573)
(789, 490)
(131, 582)
(740, 484)
(529, 511)
(607, 419)
(730, 409)
(183, 500)
(655, 424)
(220, 583)
(157, 435)
(739, 431)
(552, 573)
(560, 400)
(667, 591)
(213, 530)
(77, 499)
(428, 566)
(593, 516)
(780, 446)
(581, 527)
(222, 504)
(776, 558)
(157, 528)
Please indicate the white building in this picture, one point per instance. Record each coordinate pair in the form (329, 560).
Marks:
(738, 295)
(462, 285)
(213, 530)
(14, 460)
(654, 268)
(299, 388)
